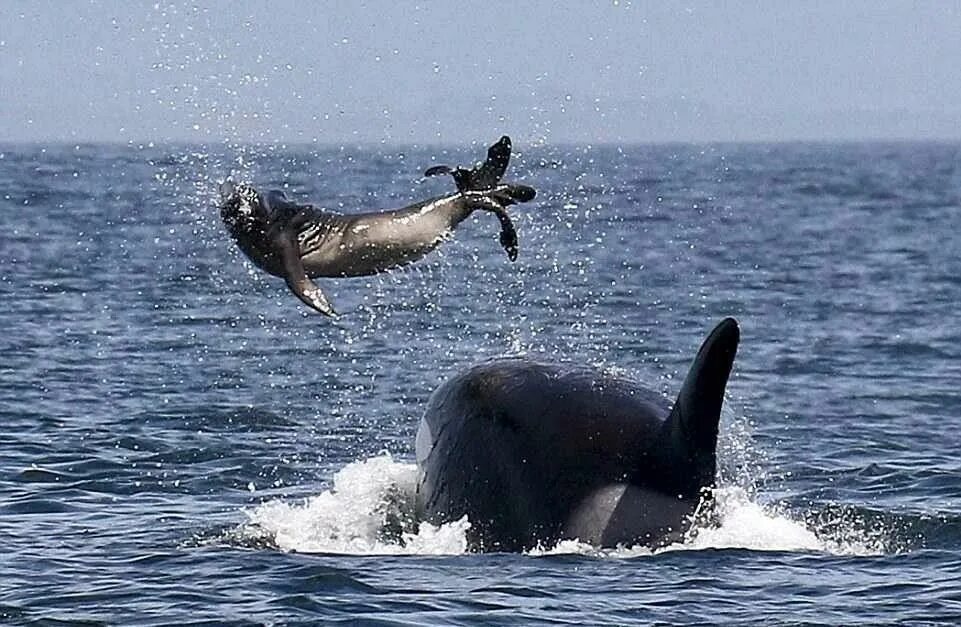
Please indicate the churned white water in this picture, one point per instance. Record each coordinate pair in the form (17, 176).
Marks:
(354, 514)
(369, 511)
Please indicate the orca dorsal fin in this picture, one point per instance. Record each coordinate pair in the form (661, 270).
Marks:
(689, 435)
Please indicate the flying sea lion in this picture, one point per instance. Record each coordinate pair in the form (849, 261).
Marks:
(301, 242)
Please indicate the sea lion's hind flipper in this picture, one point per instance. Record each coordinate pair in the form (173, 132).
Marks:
(296, 277)
(511, 193)
(508, 237)
(484, 176)
(462, 177)
(437, 170)
(489, 173)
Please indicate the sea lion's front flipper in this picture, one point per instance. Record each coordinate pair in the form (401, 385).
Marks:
(296, 277)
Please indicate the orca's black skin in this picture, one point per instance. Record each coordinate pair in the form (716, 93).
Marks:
(534, 453)
(298, 242)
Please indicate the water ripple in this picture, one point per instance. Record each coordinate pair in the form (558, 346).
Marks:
(183, 442)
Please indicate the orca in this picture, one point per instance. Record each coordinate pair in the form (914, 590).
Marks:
(534, 453)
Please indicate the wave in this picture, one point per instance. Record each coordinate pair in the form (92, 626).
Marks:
(369, 510)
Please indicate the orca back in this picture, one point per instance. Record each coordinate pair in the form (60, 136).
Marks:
(532, 453)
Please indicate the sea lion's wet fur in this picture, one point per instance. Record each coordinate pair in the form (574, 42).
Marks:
(298, 242)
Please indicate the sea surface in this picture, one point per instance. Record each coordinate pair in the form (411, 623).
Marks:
(182, 441)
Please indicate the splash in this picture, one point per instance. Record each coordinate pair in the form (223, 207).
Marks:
(369, 511)
(747, 524)
(743, 523)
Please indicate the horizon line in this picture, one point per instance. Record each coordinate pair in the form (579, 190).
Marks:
(603, 143)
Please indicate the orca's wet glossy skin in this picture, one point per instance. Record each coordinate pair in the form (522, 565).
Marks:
(298, 242)
(534, 453)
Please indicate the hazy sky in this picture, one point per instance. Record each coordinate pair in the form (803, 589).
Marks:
(446, 72)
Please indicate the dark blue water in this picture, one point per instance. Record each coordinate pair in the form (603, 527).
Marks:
(183, 441)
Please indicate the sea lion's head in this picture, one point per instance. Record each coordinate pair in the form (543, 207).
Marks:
(241, 208)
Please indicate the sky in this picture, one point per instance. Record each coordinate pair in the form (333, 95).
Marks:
(449, 72)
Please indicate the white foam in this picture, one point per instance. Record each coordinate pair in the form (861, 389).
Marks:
(746, 524)
(377, 493)
(351, 516)
(742, 524)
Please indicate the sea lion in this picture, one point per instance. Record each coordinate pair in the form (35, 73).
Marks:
(301, 242)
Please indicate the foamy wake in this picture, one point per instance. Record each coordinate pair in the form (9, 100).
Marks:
(369, 511)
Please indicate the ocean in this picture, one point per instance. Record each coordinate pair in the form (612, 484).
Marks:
(184, 442)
